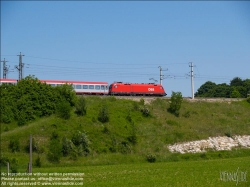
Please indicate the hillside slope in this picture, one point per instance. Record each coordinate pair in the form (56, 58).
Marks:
(129, 135)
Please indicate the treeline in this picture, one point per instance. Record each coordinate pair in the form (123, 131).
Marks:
(237, 88)
(30, 99)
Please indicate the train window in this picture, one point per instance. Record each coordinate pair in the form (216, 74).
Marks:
(53, 85)
(91, 86)
(85, 86)
(102, 87)
(106, 87)
(78, 86)
(97, 87)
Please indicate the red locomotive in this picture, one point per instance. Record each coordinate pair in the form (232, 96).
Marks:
(134, 89)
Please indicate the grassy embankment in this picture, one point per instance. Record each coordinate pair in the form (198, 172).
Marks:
(110, 142)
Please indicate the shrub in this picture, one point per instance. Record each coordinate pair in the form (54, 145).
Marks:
(81, 107)
(142, 101)
(55, 151)
(3, 161)
(14, 145)
(187, 114)
(67, 146)
(103, 114)
(54, 135)
(81, 141)
(133, 137)
(55, 148)
(13, 165)
(145, 111)
(175, 104)
(124, 147)
(248, 99)
(63, 110)
(38, 162)
(7, 115)
(151, 158)
(21, 119)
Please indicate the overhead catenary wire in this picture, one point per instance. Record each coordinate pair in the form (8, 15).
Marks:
(117, 69)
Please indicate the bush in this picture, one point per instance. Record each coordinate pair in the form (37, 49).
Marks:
(13, 165)
(38, 162)
(151, 158)
(248, 99)
(81, 141)
(142, 101)
(3, 161)
(14, 145)
(133, 137)
(63, 110)
(145, 111)
(124, 147)
(175, 104)
(55, 148)
(67, 146)
(103, 114)
(81, 107)
(55, 151)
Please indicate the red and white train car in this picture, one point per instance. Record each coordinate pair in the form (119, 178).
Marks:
(8, 81)
(80, 87)
(147, 89)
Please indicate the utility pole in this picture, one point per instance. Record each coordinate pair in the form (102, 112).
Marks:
(161, 76)
(5, 69)
(192, 79)
(20, 66)
(30, 163)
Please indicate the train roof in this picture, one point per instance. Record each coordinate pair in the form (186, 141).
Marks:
(8, 80)
(72, 82)
(58, 81)
(146, 84)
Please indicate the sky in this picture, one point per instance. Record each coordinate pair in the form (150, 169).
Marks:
(128, 41)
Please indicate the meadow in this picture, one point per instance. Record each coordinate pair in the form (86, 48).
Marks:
(119, 147)
(222, 172)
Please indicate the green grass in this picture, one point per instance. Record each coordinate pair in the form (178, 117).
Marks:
(197, 120)
(177, 174)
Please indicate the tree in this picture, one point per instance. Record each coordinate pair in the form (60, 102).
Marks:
(235, 93)
(55, 148)
(63, 110)
(81, 141)
(206, 90)
(236, 82)
(103, 114)
(81, 107)
(175, 103)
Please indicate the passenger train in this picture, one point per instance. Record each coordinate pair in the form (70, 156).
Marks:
(103, 88)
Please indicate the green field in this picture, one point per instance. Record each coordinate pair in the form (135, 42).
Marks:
(185, 173)
(119, 147)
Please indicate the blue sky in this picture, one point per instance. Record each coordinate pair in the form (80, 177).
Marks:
(127, 41)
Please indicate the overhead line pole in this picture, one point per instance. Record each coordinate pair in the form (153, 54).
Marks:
(20, 67)
(161, 76)
(192, 79)
(5, 69)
